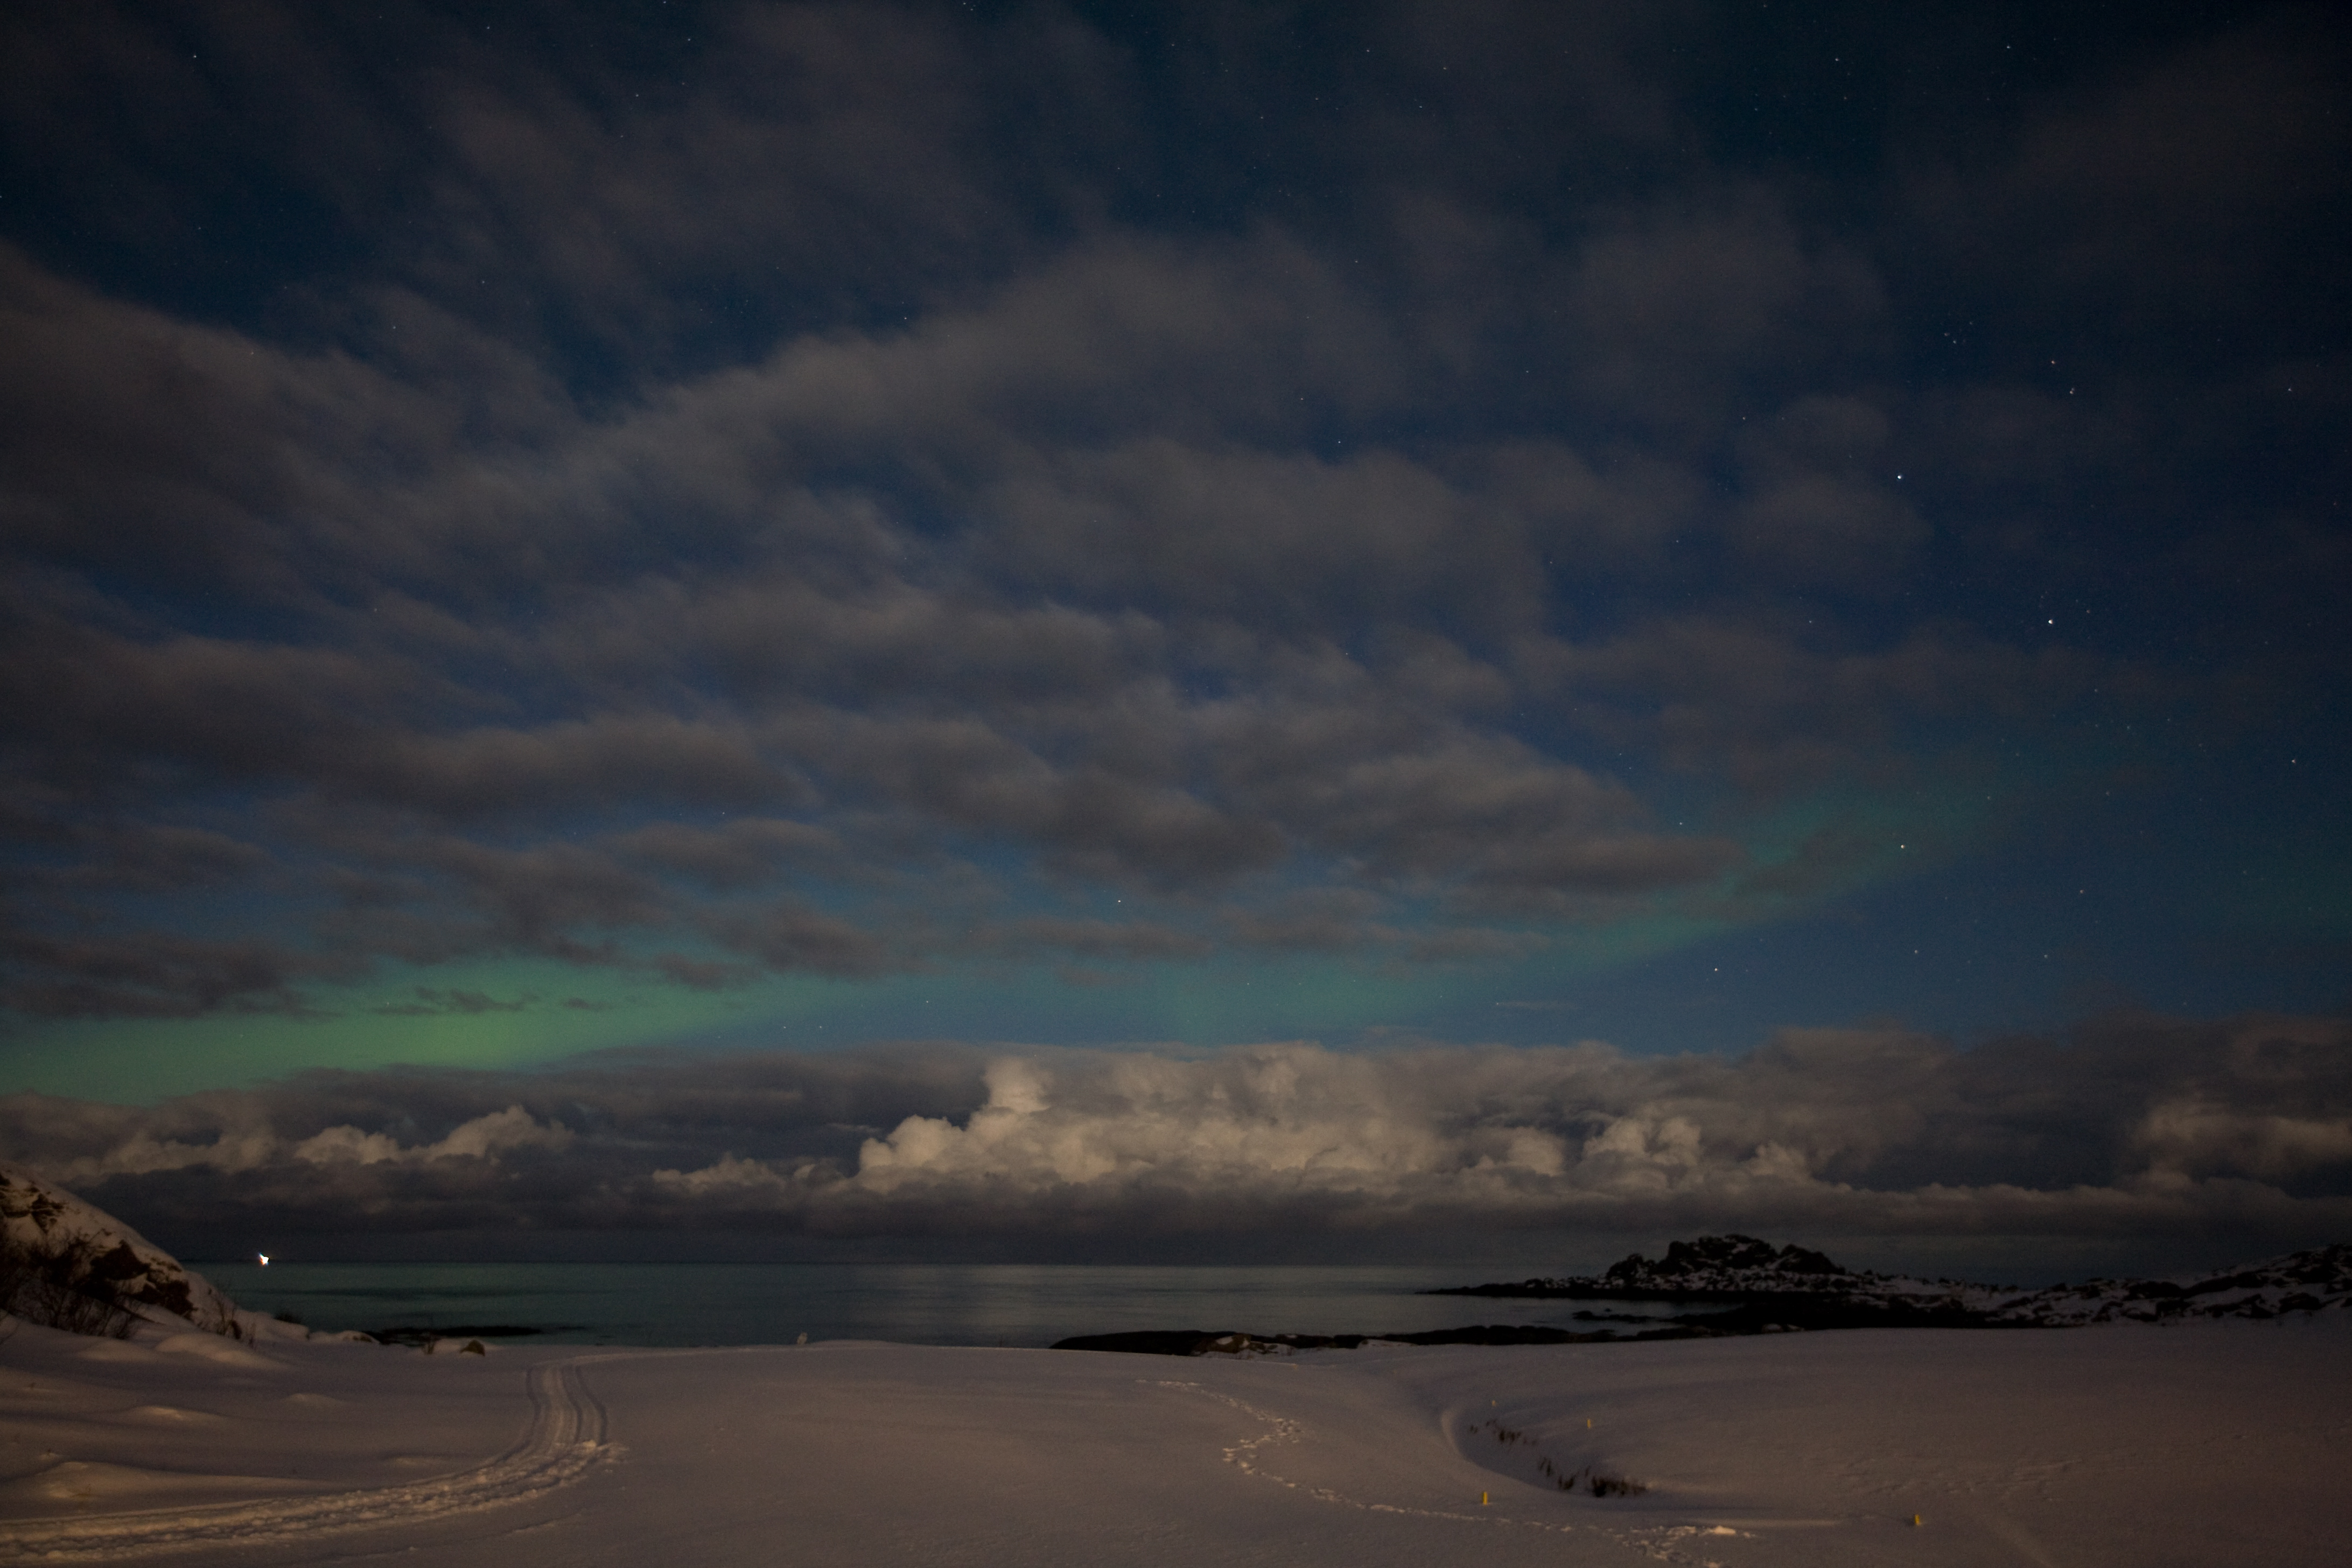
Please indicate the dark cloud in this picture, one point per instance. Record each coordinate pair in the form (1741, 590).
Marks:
(1096, 939)
(2159, 1128)
(430, 1003)
(2168, 186)
(786, 936)
(1257, 537)
(154, 974)
(804, 488)
(1677, 311)
(739, 853)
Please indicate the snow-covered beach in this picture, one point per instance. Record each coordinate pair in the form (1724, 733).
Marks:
(2203, 1444)
(177, 1426)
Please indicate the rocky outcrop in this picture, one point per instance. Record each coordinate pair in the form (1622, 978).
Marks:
(1760, 1287)
(1720, 1262)
(68, 1263)
(1715, 1268)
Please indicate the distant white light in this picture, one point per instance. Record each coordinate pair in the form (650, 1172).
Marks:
(265, 1258)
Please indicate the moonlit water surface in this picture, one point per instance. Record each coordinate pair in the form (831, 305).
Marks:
(945, 1304)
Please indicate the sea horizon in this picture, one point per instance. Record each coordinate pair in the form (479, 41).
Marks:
(740, 1303)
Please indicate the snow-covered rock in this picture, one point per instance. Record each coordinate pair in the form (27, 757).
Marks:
(88, 1252)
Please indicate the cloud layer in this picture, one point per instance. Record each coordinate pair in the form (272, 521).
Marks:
(2240, 1128)
(852, 491)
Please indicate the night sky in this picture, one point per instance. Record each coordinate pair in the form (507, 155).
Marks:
(1233, 623)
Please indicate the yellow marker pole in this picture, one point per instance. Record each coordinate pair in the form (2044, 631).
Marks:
(1914, 1521)
(1482, 1500)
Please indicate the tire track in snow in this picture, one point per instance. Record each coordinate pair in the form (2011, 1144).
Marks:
(564, 1442)
(1659, 1543)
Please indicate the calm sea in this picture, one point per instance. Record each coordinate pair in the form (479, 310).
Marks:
(772, 1303)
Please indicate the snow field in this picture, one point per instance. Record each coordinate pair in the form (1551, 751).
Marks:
(2202, 1445)
(254, 1453)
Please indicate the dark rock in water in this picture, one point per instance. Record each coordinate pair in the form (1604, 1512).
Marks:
(426, 1334)
(1194, 1342)
(1156, 1341)
(1500, 1334)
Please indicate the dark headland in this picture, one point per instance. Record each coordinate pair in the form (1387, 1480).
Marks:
(1739, 1285)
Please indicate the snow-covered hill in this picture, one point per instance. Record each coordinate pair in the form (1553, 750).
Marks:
(2318, 1280)
(55, 1238)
